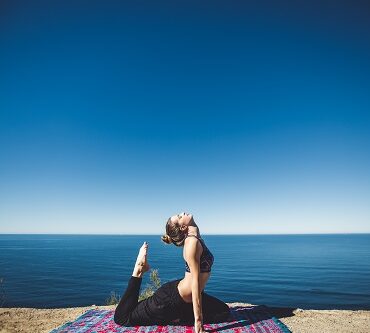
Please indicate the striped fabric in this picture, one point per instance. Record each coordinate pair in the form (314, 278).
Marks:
(249, 319)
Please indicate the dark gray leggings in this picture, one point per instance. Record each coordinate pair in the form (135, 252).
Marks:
(164, 307)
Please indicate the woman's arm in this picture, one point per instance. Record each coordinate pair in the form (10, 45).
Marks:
(193, 260)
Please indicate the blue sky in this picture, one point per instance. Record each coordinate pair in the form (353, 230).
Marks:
(252, 116)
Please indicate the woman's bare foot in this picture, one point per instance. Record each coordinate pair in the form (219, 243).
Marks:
(141, 265)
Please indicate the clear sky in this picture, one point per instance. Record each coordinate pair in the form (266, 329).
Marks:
(254, 116)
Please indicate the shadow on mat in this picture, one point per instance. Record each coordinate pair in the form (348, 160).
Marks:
(248, 315)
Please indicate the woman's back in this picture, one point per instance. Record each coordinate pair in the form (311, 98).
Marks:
(184, 285)
(206, 258)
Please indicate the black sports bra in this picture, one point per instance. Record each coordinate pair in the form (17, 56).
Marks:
(206, 259)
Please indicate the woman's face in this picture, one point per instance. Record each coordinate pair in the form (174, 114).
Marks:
(183, 219)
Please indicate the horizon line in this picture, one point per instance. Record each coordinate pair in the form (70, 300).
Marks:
(230, 234)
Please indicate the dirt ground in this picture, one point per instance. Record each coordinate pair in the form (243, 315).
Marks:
(297, 320)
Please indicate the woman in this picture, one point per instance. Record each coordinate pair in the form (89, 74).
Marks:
(181, 301)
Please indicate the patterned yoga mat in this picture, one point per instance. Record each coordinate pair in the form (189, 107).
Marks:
(250, 319)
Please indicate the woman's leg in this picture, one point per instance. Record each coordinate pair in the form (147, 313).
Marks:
(158, 309)
(129, 300)
(214, 310)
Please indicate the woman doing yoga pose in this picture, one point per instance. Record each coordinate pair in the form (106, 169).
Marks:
(181, 301)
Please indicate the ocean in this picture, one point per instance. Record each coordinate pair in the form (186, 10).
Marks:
(318, 271)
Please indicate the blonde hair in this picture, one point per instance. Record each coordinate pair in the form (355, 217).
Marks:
(174, 235)
(167, 239)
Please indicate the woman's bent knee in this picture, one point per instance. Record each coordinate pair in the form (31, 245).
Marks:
(226, 308)
(120, 320)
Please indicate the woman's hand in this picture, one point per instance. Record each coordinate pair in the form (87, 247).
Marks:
(198, 327)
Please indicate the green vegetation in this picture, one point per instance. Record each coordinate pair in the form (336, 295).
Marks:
(155, 283)
(112, 299)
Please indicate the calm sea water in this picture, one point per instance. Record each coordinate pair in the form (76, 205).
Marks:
(306, 271)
